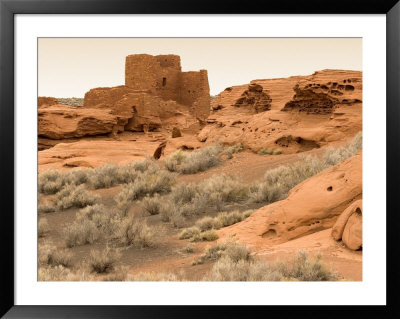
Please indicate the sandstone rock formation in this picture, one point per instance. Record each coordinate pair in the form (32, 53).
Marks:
(61, 121)
(45, 100)
(176, 132)
(255, 98)
(348, 226)
(290, 130)
(311, 206)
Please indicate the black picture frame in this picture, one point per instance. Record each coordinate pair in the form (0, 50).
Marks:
(8, 10)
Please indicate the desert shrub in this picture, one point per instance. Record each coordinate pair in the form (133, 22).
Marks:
(74, 196)
(58, 273)
(276, 152)
(135, 232)
(152, 205)
(208, 235)
(52, 256)
(188, 233)
(190, 248)
(103, 261)
(167, 210)
(46, 208)
(195, 161)
(50, 182)
(225, 219)
(81, 233)
(229, 151)
(120, 273)
(304, 268)
(147, 183)
(229, 248)
(178, 220)
(237, 265)
(153, 277)
(183, 193)
(43, 227)
(104, 176)
(334, 156)
(105, 219)
(264, 151)
(205, 223)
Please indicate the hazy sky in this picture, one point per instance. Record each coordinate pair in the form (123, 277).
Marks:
(69, 67)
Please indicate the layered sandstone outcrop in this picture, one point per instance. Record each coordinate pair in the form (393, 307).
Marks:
(46, 100)
(328, 118)
(311, 206)
(255, 98)
(61, 122)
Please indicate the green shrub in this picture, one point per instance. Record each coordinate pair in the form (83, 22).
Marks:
(276, 152)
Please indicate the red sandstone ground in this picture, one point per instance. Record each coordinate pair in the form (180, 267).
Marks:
(295, 128)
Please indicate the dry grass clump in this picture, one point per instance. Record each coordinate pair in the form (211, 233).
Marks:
(195, 161)
(229, 248)
(43, 227)
(46, 208)
(145, 276)
(334, 156)
(81, 233)
(208, 235)
(136, 232)
(103, 261)
(52, 181)
(152, 205)
(229, 151)
(61, 273)
(74, 196)
(190, 248)
(237, 265)
(52, 256)
(105, 219)
(265, 151)
(146, 184)
(188, 233)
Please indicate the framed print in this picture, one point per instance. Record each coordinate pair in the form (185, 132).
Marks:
(159, 156)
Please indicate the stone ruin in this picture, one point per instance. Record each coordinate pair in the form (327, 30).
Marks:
(156, 94)
(155, 84)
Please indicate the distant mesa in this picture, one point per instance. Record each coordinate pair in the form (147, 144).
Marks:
(156, 93)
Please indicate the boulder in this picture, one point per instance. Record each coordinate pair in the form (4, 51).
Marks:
(352, 234)
(340, 224)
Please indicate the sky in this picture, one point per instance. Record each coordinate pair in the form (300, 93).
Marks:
(69, 67)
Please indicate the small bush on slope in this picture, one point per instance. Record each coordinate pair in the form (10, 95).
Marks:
(43, 227)
(135, 232)
(52, 181)
(74, 196)
(195, 161)
(103, 261)
(229, 151)
(52, 256)
(81, 233)
(105, 219)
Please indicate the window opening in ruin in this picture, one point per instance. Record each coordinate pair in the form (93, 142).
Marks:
(164, 81)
